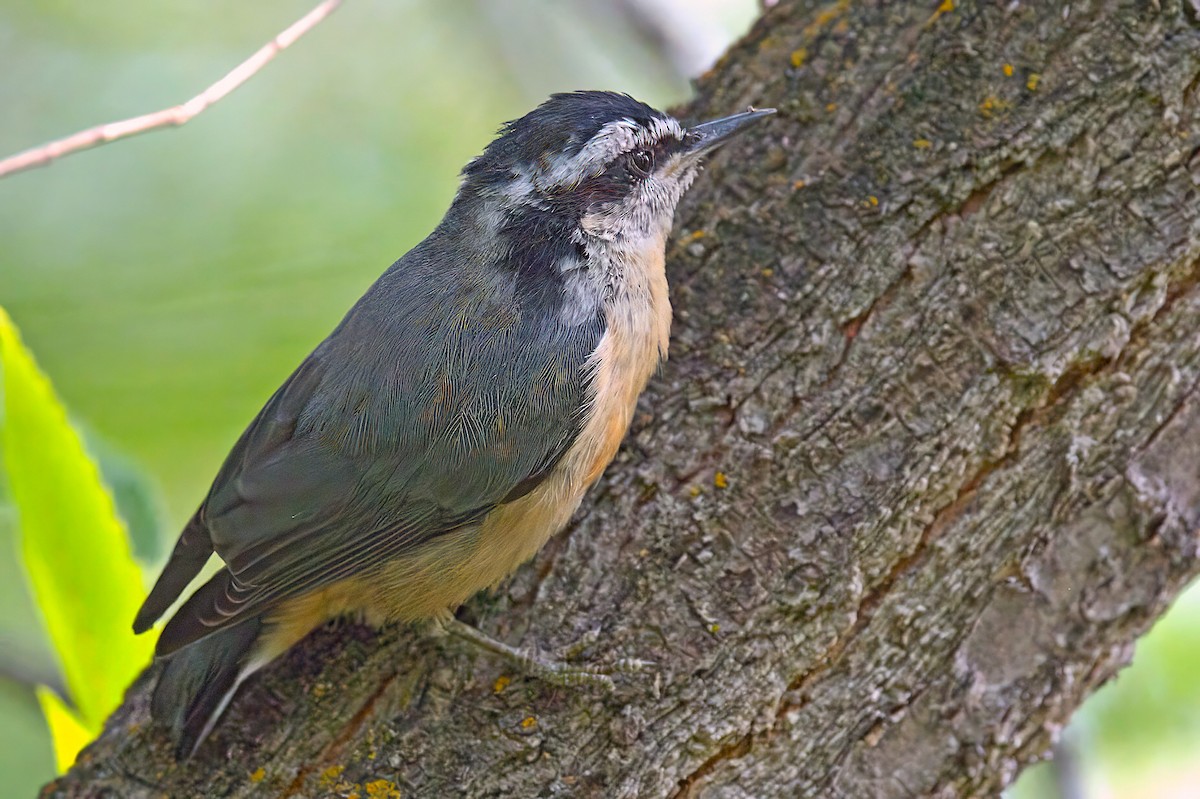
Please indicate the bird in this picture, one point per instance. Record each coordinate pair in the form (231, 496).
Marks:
(455, 417)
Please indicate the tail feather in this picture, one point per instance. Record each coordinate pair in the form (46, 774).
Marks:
(199, 617)
(199, 680)
(191, 552)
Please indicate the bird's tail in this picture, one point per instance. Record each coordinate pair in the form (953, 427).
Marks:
(198, 681)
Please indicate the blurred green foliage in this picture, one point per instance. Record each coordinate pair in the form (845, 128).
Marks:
(74, 549)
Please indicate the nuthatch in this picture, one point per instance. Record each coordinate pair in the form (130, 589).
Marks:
(454, 419)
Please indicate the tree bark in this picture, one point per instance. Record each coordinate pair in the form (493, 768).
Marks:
(923, 464)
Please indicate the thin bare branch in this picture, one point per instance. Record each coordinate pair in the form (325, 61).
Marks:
(176, 115)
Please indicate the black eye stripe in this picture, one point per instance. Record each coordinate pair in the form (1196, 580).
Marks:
(662, 148)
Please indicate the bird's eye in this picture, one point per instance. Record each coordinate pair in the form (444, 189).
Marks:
(641, 162)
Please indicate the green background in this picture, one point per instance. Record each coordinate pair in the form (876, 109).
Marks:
(168, 283)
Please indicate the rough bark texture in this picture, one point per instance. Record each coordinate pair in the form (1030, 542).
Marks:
(922, 466)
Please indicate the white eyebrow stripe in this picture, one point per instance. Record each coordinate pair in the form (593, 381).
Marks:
(619, 136)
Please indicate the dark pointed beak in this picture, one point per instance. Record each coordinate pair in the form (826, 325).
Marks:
(704, 138)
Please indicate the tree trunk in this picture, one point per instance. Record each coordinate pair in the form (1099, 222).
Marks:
(921, 468)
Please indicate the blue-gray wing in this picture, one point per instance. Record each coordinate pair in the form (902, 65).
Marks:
(440, 396)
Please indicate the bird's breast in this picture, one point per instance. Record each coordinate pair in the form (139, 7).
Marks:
(635, 340)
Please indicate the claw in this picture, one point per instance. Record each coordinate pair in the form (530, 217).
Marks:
(555, 672)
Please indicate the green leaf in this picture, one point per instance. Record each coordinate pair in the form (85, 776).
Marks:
(73, 545)
(66, 730)
(134, 494)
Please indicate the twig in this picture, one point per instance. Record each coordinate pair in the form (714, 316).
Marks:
(176, 115)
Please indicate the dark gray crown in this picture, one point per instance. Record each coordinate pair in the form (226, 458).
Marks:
(561, 126)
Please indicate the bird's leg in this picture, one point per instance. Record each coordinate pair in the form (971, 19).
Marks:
(531, 662)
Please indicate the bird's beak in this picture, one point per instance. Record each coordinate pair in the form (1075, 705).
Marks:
(704, 138)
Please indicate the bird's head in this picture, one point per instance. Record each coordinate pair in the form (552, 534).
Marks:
(611, 167)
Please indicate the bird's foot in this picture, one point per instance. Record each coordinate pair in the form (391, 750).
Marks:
(555, 672)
